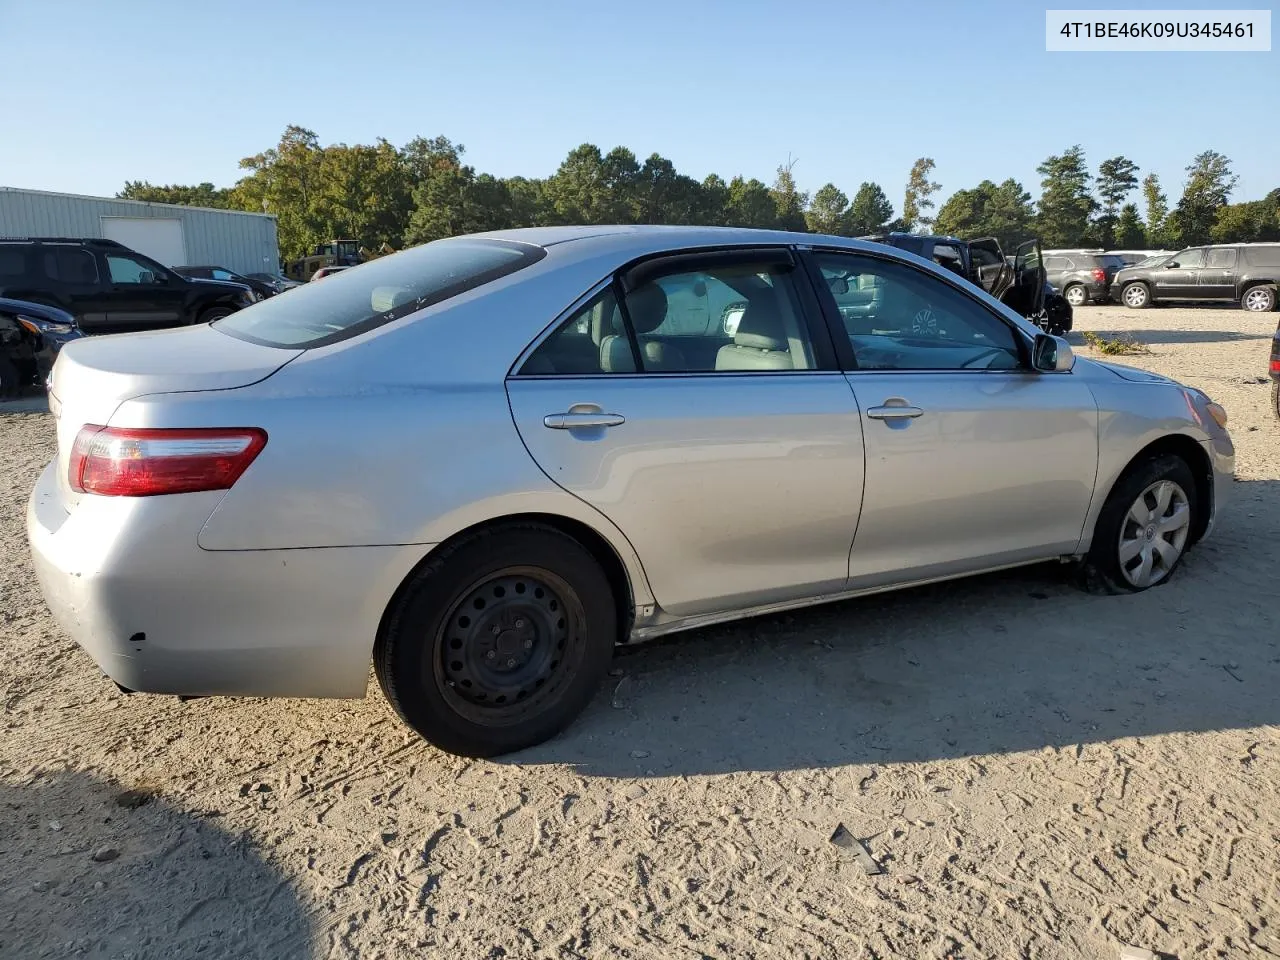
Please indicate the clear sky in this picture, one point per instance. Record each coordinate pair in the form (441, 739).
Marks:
(95, 93)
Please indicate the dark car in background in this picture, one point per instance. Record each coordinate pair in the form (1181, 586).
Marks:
(109, 288)
(280, 283)
(1082, 275)
(31, 334)
(1244, 273)
(261, 289)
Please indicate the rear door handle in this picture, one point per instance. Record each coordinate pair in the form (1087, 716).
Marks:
(573, 420)
(894, 408)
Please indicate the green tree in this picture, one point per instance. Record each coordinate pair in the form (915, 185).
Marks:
(1130, 233)
(1116, 179)
(714, 205)
(827, 212)
(1250, 222)
(1160, 231)
(527, 201)
(917, 202)
(286, 180)
(1065, 201)
(870, 211)
(788, 201)
(200, 195)
(665, 196)
(988, 210)
(750, 204)
(1209, 181)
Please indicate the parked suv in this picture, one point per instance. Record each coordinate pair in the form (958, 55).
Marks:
(110, 288)
(1017, 280)
(1082, 275)
(1246, 273)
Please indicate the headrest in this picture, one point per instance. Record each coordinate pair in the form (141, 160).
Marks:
(761, 328)
(647, 307)
(388, 298)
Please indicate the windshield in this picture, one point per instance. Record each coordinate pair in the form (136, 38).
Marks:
(1153, 261)
(353, 301)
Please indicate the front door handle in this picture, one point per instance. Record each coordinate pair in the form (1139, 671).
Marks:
(576, 418)
(893, 409)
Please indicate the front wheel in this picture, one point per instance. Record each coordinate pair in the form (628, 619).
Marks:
(1136, 296)
(499, 642)
(1144, 528)
(1259, 299)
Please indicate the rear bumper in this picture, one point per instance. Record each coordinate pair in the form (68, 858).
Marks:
(126, 579)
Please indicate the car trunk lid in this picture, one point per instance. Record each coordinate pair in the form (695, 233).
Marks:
(94, 375)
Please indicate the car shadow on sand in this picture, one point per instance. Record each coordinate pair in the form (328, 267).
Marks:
(93, 870)
(1002, 663)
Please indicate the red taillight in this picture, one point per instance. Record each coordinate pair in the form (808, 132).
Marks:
(1275, 365)
(126, 462)
(1099, 274)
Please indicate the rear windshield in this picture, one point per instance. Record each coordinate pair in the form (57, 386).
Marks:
(1111, 261)
(350, 302)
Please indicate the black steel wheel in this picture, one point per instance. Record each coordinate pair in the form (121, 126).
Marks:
(499, 641)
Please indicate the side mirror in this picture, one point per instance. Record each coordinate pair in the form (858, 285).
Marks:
(146, 276)
(700, 289)
(1050, 354)
(1171, 264)
(838, 285)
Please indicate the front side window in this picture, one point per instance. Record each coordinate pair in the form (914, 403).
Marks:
(901, 318)
(222, 274)
(727, 318)
(1189, 258)
(1221, 258)
(127, 270)
(351, 302)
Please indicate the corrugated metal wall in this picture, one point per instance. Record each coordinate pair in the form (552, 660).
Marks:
(244, 242)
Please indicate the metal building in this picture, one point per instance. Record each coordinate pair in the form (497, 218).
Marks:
(172, 234)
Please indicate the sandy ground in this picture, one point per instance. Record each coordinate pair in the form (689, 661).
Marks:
(1040, 773)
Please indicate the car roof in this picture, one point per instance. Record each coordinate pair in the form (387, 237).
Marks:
(639, 240)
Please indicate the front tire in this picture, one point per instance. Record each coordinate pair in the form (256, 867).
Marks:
(1259, 299)
(1136, 296)
(10, 383)
(1144, 529)
(498, 642)
(214, 313)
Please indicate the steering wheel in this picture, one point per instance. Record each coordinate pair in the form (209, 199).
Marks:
(925, 322)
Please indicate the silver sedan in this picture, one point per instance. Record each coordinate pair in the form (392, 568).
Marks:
(484, 462)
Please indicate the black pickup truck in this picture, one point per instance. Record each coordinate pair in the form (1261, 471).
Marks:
(109, 288)
(1243, 273)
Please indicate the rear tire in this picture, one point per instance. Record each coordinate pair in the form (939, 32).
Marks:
(1076, 295)
(1275, 398)
(498, 642)
(1259, 299)
(1144, 529)
(1135, 296)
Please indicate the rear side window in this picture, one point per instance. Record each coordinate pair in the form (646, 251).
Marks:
(1262, 256)
(350, 302)
(70, 266)
(12, 263)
